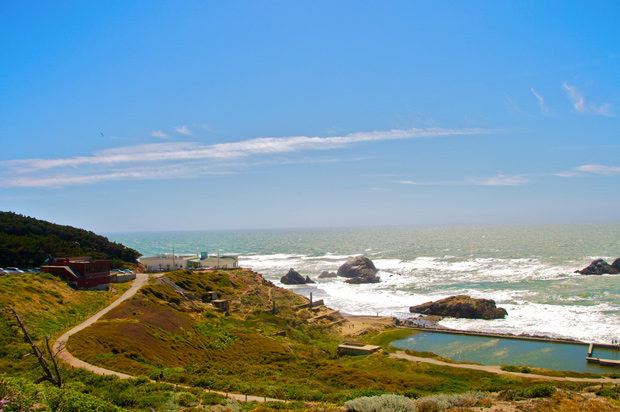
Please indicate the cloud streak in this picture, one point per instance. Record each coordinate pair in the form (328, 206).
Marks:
(578, 100)
(501, 180)
(541, 103)
(173, 159)
(183, 130)
(497, 180)
(160, 134)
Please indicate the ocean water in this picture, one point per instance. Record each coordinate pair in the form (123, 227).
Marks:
(526, 269)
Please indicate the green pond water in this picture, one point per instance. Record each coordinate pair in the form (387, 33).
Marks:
(503, 351)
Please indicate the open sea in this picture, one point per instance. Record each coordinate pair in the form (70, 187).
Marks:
(526, 269)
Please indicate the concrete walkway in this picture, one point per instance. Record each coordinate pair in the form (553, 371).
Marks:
(497, 370)
(60, 346)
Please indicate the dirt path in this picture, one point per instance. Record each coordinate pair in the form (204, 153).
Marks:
(497, 370)
(64, 355)
(61, 343)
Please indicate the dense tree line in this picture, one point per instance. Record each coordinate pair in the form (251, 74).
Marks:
(28, 242)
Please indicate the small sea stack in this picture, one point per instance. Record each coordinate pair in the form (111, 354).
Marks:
(601, 267)
(294, 278)
(359, 269)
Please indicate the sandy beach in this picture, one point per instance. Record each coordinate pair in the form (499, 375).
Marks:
(360, 325)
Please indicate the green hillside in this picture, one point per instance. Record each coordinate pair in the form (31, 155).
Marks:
(267, 345)
(28, 242)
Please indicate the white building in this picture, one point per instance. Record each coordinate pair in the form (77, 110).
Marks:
(168, 261)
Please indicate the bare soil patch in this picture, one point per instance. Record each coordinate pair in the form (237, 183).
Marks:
(360, 325)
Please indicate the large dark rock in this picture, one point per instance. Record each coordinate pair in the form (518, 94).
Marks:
(365, 279)
(326, 274)
(600, 267)
(616, 264)
(461, 306)
(359, 269)
(293, 278)
(358, 266)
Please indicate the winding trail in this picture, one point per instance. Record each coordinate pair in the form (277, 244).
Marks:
(60, 346)
(497, 370)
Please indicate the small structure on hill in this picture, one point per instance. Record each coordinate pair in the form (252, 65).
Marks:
(81, 272)
(222, 305)
(356, 349)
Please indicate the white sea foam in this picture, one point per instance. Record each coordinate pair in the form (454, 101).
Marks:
(533, 309)
(526, 269)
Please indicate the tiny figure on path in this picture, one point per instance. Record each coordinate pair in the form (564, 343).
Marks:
(161, 376)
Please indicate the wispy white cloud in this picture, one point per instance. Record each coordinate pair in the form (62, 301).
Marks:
(183, 130)
(184, 159)
(578, 100)
(541, 103)
(589, 170)
(501, 180)
(160, 134)
(600, 169)
(513, 105)
(498, 180)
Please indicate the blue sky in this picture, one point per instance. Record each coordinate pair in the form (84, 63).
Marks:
(187, 115)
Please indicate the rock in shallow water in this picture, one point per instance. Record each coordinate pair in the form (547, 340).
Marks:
(600, 267)
(359, 269)
(461, 306)
(294, 278)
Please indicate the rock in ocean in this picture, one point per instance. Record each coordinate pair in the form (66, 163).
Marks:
(359, 269)
(294, 278)
(600, 267)
(461, 306)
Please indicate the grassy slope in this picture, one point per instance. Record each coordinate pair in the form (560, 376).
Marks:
(194, 344)
(48, 307)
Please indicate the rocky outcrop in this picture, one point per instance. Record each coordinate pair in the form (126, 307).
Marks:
(294, 278)
(600, 267)
(461, 306)
(366, 279)
(616, 264)
(359, 269)
(326, 274)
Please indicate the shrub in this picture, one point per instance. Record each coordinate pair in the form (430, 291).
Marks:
(513, 368)
(442, 402)
(608, 393)
(539, 391)
(68, 400)
(212, 398)
(275, 405)
(187, 399)
(398, 403)
(383, 403)
(536, 391)
(16, 395)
